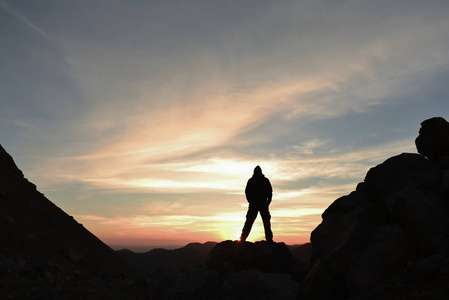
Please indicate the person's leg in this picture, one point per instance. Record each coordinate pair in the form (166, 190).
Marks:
(266, 217)
(250, 217)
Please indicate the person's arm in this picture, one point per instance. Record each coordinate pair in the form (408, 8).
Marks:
(270, 191)
(247, 192)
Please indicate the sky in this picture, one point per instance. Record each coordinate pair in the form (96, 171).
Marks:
(145, 119)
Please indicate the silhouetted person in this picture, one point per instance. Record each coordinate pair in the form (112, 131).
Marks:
(258, 193)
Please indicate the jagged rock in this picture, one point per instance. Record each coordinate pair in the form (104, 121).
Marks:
(320, 284)
(389, 239)
(398, 172)
(231, 256)
(423, 215)
(433, 139)
(301, 260)
(385, 256)
(344, 231)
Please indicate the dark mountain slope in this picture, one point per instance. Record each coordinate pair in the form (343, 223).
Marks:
(44, 251)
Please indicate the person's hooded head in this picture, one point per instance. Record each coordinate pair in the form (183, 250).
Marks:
(258, 171)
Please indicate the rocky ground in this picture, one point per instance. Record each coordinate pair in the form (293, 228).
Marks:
(227, 270)
(235, 270)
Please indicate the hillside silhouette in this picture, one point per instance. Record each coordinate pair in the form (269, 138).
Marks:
(46, 254)
(388, 239)
(156, 260)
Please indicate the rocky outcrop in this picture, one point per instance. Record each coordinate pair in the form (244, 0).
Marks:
(46, 254)
(433, 139)
(234, 270)
(389, 239)
(231, 256)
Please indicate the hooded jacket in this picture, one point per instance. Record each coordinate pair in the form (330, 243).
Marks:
(258, 189)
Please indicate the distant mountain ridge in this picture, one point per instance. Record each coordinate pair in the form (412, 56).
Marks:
(186, 257)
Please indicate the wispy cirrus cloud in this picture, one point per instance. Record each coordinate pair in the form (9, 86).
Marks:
(25, 20)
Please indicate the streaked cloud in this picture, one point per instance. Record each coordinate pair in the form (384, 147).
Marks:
(27, 22)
